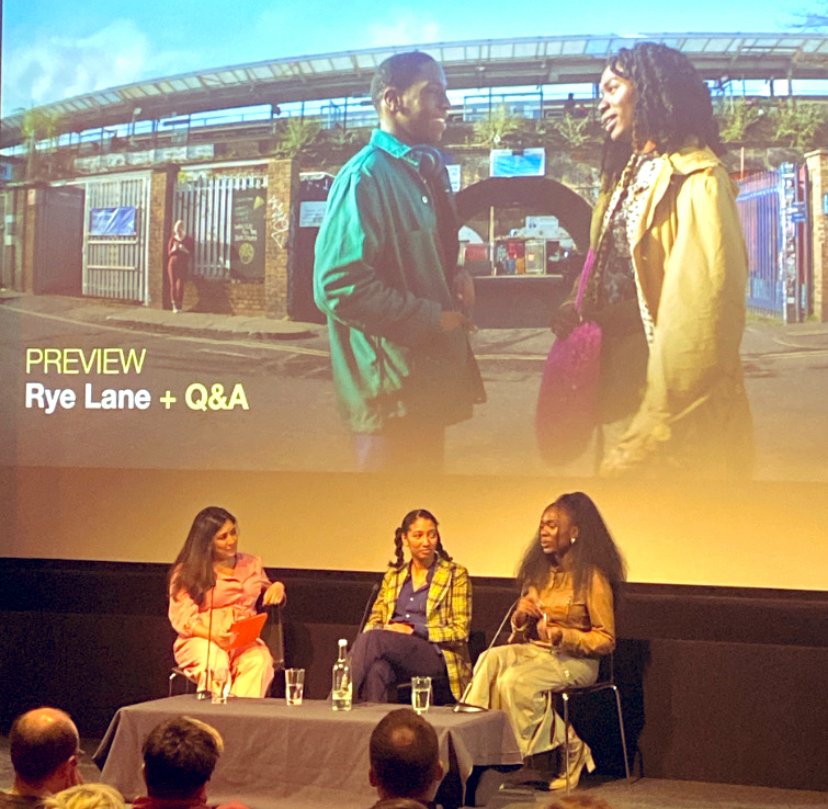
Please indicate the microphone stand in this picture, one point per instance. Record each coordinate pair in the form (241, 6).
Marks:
(204, 691)
(368, 604)
(462, 706)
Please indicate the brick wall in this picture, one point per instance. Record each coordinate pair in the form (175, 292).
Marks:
(160, 227)
(233, 297)
(281, 226)
(267, 296)
(30, 224)
(817, 163)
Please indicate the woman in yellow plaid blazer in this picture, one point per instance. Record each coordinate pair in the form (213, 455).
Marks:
(419, 624)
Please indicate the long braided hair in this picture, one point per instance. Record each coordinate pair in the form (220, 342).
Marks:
(405, 527)
(672, 105)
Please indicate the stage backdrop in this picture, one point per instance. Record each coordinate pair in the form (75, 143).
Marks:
(751, 535)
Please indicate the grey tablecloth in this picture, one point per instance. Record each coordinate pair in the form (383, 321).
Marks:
(276, 756)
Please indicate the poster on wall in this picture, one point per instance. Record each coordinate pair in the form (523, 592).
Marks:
(118, 221)
(248, 227)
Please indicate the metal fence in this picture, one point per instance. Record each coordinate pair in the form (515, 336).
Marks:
(774, 213)
(758, 204)
(116, 266)
(205, 204)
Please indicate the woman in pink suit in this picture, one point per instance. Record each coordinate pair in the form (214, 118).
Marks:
(212, 585)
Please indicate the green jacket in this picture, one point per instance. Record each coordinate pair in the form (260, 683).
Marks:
(378, 278)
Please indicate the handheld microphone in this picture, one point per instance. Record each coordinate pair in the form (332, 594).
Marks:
(462, 706)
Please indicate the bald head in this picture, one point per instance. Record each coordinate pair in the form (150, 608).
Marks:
(42, 741)
(405, 757)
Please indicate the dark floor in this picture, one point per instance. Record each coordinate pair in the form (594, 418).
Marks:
(646, 793)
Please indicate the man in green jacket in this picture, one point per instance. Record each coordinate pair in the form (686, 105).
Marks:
(386, 277)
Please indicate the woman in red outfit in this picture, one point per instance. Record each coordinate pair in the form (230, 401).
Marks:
(179, 255)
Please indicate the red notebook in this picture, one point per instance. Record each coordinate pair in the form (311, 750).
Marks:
(246, 630)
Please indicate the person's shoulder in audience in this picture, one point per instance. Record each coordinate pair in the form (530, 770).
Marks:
(91, 796)
(147, 802)
(579, 802)
(401, 803)
(8, 800)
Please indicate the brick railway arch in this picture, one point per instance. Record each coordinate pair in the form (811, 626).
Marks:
(541, 194)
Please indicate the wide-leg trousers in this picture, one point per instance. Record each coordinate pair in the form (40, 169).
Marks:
(250, 668)
(517, 679)
(381, 657)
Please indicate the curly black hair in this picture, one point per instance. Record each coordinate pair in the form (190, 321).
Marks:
(403, 529)
(672, 104)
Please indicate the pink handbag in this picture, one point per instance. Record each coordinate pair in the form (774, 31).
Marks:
(568, 400)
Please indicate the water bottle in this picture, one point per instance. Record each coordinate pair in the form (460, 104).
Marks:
(342, 688)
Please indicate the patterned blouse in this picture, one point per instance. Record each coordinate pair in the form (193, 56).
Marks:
(614, 278)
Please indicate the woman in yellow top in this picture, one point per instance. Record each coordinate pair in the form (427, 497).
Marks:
(668, 287)
(563, 623)
(419, 624)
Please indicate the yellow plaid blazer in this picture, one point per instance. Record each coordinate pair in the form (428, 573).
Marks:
(448, 615)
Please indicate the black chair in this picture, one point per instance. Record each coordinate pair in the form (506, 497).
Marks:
(605, 682)
(441, 693)
(178, 675)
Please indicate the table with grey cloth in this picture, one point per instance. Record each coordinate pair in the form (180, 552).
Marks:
(280, 756)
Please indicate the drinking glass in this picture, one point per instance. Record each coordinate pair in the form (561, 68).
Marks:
(420, 694)
(294, 686)
(219, 686)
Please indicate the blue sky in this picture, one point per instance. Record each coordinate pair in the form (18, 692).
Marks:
(55, 49)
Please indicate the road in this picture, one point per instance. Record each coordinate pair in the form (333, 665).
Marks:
(292, 421)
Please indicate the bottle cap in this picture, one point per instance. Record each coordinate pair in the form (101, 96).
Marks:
(342, 642)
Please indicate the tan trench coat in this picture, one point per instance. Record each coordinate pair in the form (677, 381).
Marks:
(691, 267)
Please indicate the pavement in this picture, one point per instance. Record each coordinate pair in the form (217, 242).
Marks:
(763, 336)
(161, 321)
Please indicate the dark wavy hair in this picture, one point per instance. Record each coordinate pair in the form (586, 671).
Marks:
(672, 104)
(193, 570)
(594, 550)
(180, 755)
(403, 529)
(400, 70)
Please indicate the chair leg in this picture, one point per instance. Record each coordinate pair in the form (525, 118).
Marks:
(565, 698)
(621, 729)
(188, 683)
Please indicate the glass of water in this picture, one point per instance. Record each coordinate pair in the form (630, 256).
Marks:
(420, 694)
(294, 686)
(219, 686)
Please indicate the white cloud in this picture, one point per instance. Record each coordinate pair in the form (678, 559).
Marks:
(57, 67)
(408, 28)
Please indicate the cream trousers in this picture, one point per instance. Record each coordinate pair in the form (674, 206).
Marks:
(517, 679)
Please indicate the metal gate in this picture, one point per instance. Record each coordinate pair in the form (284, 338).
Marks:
(6, 241)
(58, 241)
(205, 204)
(773, 209)
(116, 266)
